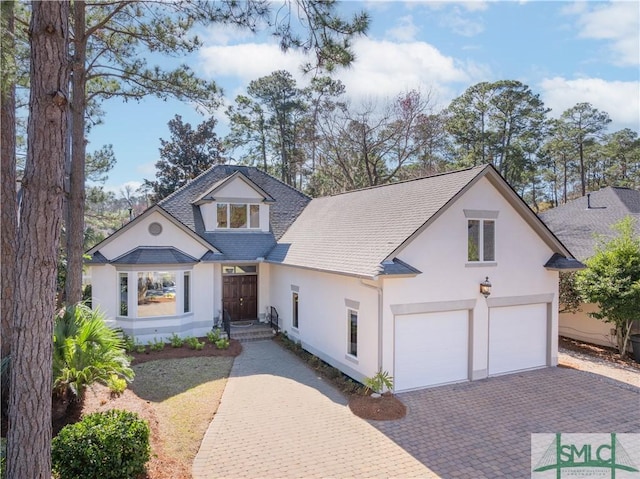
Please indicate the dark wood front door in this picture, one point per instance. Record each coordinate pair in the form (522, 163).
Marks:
(240, 296)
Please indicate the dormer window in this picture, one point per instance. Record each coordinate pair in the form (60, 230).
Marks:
(238, 216)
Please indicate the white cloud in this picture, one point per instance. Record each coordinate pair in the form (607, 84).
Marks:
(382, 68)
(147, 170)
(461, 23)
(404, 31)
(615, 22)
(385, 69)
(621, 100)
(247, 61)
(219, 34)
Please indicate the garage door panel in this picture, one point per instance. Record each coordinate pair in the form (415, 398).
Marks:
(517, 338)
(431, 348)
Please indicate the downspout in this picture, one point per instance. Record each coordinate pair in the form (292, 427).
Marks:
(380, 306)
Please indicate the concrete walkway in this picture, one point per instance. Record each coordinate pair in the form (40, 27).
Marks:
(278, 419)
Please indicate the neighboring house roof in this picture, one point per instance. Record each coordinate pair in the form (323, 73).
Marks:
(357, 232)
(578, 222)
(154, 255)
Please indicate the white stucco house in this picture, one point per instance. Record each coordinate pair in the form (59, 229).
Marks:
(384, 278)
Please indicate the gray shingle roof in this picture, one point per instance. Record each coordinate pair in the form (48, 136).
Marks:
(398, 267)
(97, 258)
(576, 225)
(237, 246)
(155, 255)
(559, 262)
(354, 232)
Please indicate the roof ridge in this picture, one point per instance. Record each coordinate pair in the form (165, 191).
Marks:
(192, 180)
(444, 173)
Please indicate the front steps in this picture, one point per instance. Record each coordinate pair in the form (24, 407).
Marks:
(255, 332)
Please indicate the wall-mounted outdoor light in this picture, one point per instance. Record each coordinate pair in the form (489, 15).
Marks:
(485, 287)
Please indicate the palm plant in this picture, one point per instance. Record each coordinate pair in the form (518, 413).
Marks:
(85, 351)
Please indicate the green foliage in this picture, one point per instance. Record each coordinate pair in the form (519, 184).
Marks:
(116, 385)
(193, 343)
(3, 458)
(86, 350)
(612, 279)
(104, 445)
(570, 298)
(213, 336)
(140, 348)
(222, 343)
(129, 343)
(379, 382)
(176, 341)
(156, 345)
(189, 153)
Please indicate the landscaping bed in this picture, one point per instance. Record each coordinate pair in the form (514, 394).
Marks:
(601, 352)
(177, 390)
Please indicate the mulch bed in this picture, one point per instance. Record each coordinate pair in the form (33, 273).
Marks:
(602, 352)
(169, 352)
(384, 408)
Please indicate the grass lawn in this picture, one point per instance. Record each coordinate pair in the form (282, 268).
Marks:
(178, 397)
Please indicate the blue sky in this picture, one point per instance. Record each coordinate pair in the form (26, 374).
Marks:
(568, 52)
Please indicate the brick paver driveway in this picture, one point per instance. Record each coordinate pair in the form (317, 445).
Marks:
(277, 419)
(482, 429)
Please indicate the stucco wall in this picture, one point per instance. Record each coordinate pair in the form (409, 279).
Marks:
(440, 252)
(205, 290)
(138, 235)
(323, 324)
(583, 327)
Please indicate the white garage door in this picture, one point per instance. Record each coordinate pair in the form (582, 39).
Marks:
(517, 338)
(431, 348)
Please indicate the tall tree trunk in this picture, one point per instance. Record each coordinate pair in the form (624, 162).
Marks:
(8, 196)
(29, 435)
(76, 199)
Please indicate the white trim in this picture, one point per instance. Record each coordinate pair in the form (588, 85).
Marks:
(432, 307)
(481, 214)
(498, 302)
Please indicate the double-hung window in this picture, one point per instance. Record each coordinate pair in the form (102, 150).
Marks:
(481, 236)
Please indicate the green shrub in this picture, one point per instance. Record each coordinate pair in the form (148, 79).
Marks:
(194, 343)
(104, 445)
(222, 343)
(85, 351)
(156, 344)
(140, 348)
(116, 385)
(176, 341)
(379, 381)
(129, 343)
(213, 336)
